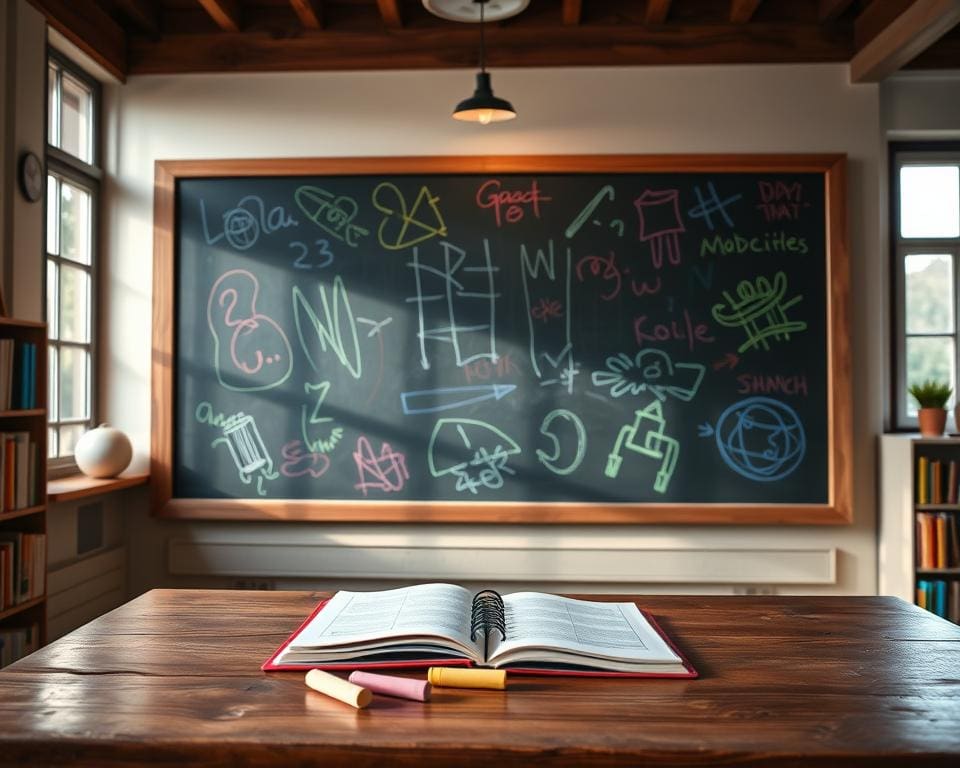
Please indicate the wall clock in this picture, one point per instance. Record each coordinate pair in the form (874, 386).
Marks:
(31, 176)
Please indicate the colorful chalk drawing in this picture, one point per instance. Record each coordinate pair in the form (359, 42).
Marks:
(386, 471)
(310, 417)
(546, 429)
(456, 289)
(650, 370)
(251, 351)
(508, 204)
(426, 400)
(660, 224)
(605, 268)
(403, 228)
(321, 258)
(329, 329)
(705, 208)
(474, 452)
(249, 454)
(759, 438)
(543, 280)
(298, 462)
(656, 445)
(334, 215)
(590, 208)
(759, 302)
(241, 226)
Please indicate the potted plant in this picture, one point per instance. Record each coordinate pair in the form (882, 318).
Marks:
(932, 398)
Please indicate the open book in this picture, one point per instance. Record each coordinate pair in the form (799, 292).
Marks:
(446, 625)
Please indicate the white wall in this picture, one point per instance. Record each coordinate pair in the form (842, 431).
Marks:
(773, 109)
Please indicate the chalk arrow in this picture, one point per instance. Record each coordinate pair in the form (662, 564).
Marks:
(448, 398)
(705, 429)
(729, 360)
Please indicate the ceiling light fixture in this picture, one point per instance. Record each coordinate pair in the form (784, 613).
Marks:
(483, 107)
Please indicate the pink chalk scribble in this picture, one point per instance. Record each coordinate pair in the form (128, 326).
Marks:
(386, 472)
(299, 462)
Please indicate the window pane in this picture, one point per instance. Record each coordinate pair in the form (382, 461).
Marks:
(51, 443)
(53, 301)
(69, 436)
(73, 383)
(53, 402)
(929, 300)
(930, 201)
(929, 358)
(75, 105)
(74, 223)
(74, 304)
(53, 215)
(53, 119)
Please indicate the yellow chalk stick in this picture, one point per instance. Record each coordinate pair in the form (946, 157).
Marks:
(339, 689)
(450, 677)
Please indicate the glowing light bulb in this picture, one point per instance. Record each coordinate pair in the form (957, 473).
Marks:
(486, 115)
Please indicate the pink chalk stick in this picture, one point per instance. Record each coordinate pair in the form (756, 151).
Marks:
(402, 687)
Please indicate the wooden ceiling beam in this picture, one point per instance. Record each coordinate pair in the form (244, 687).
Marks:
(572, 12)
(741, 11)
(657, 11)
(226, 13)
(447, 46)
(908, 35)
(390, 13)
(309, 12)
(144, 13)
(831, 10)
(91, 29)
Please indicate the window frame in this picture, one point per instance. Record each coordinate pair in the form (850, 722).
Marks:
(87, 176)
(904, 154)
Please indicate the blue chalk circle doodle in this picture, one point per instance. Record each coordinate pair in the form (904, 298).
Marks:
(760, 438)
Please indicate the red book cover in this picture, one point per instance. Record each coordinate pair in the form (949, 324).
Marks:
(270, 665)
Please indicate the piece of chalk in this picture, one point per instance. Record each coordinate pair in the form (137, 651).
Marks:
(388, 685)
(449, 677)
(338, 688)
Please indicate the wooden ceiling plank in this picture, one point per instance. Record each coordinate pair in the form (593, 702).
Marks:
(657, 11)
(226, 13)
(908, 35)
(741, 11)
(91, 29)
(309, 12)
(390, 13)
(144, 13)
(514, 46)
(831, 10)
(572, 12)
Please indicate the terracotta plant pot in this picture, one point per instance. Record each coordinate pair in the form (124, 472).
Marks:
(932, 421)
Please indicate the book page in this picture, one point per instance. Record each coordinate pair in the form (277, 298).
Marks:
(364, 618)
(586, 628)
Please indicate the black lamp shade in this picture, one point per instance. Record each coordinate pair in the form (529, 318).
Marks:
(483, 106)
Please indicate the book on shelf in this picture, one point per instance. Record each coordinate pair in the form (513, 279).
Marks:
(22, 567)
(18, 471)
(938, 540)
(940, 597)
(17, 642)
(18, 375)
(447, 625)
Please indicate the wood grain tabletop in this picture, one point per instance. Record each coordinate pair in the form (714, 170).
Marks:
(172, 678)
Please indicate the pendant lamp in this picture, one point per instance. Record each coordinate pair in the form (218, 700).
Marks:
(483, 107)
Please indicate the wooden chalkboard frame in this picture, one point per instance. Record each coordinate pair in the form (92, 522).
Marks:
(837, 510)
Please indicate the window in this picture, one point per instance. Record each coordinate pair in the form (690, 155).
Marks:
(925, 226)
(73, 192)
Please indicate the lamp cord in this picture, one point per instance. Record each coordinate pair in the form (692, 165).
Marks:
(483, 56)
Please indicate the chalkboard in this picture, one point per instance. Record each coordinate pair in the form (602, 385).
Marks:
(377, 340)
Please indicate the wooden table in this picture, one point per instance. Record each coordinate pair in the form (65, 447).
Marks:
(172, 679)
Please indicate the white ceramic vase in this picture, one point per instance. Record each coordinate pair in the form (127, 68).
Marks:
(103, 452)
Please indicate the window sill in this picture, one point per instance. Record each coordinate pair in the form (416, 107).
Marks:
(81, 486)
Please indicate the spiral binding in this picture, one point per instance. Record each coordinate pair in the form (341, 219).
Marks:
(487, 614)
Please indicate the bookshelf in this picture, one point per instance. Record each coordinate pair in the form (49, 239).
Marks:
(920, 521)
(23, 502)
